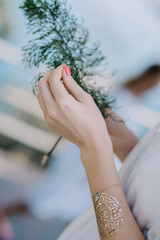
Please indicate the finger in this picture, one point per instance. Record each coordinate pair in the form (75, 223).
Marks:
(74, 89)
(46, 94)
(58, 90)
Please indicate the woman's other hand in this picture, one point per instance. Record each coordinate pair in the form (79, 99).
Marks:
(123, 140)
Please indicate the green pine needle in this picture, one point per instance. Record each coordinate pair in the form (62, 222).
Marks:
(60, 38)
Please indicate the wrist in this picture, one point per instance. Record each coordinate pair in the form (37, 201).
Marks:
(99, 165)
(97, 151)
(96, 144)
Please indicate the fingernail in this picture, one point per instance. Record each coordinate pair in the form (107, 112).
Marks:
(67, 70)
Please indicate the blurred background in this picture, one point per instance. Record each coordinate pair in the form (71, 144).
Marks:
(32, 204)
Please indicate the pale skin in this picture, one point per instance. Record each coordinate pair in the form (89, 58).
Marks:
(122, 138)
(74, 115)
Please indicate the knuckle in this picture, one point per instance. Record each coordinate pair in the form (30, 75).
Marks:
(50, 79)
(89, 97)
(62, 65)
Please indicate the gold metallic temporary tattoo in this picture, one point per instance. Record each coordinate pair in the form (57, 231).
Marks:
(108, 213)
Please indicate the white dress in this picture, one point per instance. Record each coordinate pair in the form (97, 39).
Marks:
(140, 178)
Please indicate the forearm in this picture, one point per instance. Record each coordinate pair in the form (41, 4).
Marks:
(101, 173)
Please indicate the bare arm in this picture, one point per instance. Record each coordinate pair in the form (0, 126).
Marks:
(102, 175)
(76, 117)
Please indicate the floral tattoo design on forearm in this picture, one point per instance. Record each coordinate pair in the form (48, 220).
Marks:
(109, 214)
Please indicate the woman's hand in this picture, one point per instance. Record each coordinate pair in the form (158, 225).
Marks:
(69, 110)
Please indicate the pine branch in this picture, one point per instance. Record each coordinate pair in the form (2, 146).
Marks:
(60, 38)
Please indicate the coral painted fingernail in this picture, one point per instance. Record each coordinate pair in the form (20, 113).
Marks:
(67, 70)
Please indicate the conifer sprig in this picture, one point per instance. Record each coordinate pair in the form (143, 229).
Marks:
(60, 38)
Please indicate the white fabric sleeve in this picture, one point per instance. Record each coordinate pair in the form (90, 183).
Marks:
(84, 227)
(143, 191)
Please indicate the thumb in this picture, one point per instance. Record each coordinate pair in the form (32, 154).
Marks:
(73, 88)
